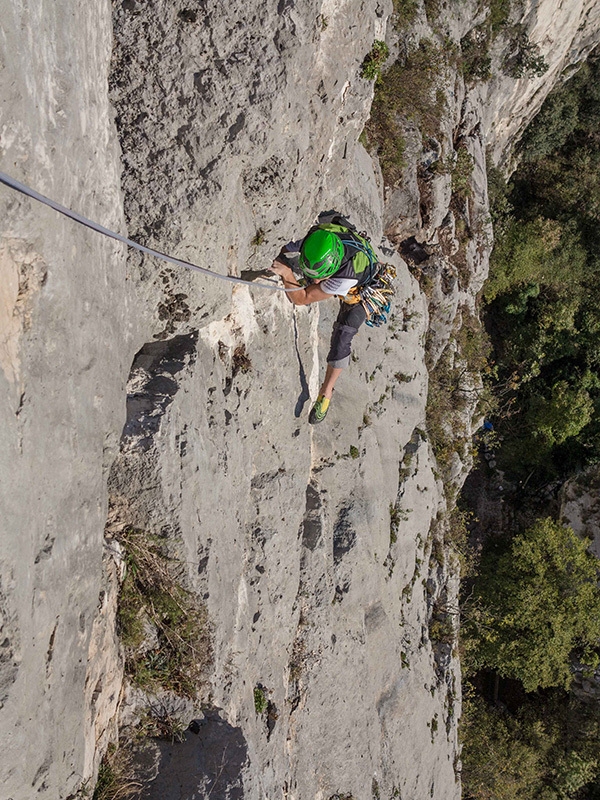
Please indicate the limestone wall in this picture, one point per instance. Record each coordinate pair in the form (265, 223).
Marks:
(119, 379)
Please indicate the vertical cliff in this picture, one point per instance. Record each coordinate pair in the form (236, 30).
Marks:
(138, 395)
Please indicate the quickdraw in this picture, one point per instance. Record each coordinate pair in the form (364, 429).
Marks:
(376, 297)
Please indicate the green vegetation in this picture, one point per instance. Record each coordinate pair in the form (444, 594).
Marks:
(476, 61)
(116, 780)
(547, 750)
(534, 607)
(405, 12)
(409, 90)
(260, 700)
(374, 61)
(454, 384)
(462, 172)
(259, 238)
(163, 627)
(523, 59)
(543, 292)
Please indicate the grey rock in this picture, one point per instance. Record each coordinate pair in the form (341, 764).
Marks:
(185, 400)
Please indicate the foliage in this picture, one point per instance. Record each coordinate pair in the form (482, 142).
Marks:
(543, 294)
(523, 59)
(405, 12)
(499, 11)
(433, 9)
(476, 61)
(502, 760)
(374, 60)
(116, 780)
(151, 600)
(462, 172)
(546, 750)
(535, 605)
(554, 123)
(260, 700)
(259, 238)
(408, 90)
(445, 402)
(535, 251)
(538, 602)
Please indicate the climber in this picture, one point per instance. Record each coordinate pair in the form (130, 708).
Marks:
(336, 261)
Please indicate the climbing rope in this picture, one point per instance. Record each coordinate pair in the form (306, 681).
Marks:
(95, 226)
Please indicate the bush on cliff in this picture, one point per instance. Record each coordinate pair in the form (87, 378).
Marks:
(537, 604)
(546, 750)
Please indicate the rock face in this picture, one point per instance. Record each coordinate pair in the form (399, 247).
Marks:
(68, 323)
(318, 552)
(565, 34)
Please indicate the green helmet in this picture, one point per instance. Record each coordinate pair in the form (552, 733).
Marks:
(321, 254)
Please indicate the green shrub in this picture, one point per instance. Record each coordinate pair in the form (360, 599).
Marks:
(523, 59)
(498, 15)
(260, 700)
(406, 90)
(554, 123)
(536, 604)
(562, 415)
(405, 13)
(462, 173)
(502, 758)
(374, 61)
(537, 251)
(544, 750)
(476, 61)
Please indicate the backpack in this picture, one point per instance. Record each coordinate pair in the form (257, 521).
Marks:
(375, 288)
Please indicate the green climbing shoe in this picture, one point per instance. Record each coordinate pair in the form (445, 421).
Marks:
(319, 411)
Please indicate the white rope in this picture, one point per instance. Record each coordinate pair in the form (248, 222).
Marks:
(26, 190)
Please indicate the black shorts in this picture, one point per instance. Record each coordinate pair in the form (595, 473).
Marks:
(345, 329)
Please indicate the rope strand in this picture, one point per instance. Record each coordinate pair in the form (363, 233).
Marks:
(95, 226)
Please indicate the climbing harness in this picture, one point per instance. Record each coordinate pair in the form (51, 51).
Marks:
(95, 226)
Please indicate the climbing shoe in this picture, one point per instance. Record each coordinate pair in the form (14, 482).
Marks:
(319, 411)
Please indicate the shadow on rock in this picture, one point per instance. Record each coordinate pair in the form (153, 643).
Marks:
(208, 763)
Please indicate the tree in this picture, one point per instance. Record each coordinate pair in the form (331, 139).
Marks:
(537, 604)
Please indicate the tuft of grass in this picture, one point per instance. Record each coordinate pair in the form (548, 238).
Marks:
(260, 237)
(405, 12)
(354, 452)
(116, 779)
(260, 700)
(152, 600)
(374, 60)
